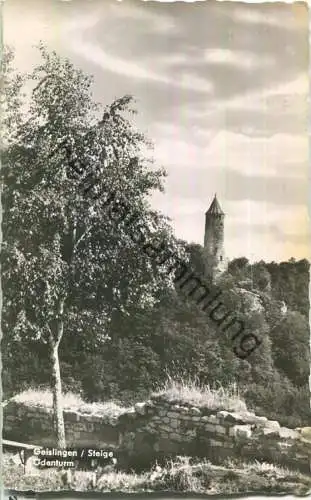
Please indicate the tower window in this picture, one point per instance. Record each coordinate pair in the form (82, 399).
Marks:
(220, 258)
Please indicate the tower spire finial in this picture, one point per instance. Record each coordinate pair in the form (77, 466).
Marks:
(215, 208)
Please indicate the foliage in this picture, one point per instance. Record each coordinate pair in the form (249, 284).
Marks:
(53, 234)
(290, 347)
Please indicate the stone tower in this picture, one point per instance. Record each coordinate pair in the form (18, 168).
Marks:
(216, 262)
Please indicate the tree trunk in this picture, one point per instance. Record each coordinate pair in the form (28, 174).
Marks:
(57, 382)
(57, 398)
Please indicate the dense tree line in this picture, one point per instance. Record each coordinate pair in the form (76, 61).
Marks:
(174, 337)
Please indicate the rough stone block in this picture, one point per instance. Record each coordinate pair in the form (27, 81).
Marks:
(71, 416)
(210, 428)
(157, 418)
(205, 419)
(242, 431)
(215, 443)
(130, 413)
(174, 423)
(112, 421)
(229, 444)
(284, 445)
(174, 436)
(172, 414)
(195, 411)
(288, 433)
(220, 429)
(166, 420)
(260, 421)
(149, 404)
(233, 417)
(184, 410)
(212, 419)
(152, 423)
(273, 424)
(74, 428)
(96, 419)
(186, 417)
(140, 408)
(222, 414)
(165, 428)
(9, 418)
(153, 431)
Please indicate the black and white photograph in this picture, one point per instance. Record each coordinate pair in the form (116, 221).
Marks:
(155, 248)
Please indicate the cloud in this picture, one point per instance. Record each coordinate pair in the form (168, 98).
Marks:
(260, 156)
(80, 23)
(289, 17)
(159, 23)
(171, 60)
(136, 70)
(296, 87)
(218, 150)
(268, 231)
(267, 213)
(237, 58)
(263, 226)
(213, 56)
(229, 60)
(275, 109)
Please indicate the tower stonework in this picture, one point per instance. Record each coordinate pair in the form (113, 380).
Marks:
(216, 262)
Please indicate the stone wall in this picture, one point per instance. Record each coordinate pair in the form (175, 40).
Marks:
(34, 424)
(158, 428)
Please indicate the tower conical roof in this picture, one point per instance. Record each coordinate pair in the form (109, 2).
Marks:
(215, 208)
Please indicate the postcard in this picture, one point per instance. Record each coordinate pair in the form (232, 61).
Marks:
(155, 249)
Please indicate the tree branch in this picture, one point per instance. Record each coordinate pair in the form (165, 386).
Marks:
(80, 239)
(60, 321)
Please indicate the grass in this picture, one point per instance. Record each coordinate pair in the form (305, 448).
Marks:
(71, 401)
(190, 391)
(43, 397)
(122, 482)
(179, 475)
(183, 391)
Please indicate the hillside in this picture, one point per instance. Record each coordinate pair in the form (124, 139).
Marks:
(174, 338)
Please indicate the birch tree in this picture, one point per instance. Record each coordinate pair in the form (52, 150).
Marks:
(64, 258)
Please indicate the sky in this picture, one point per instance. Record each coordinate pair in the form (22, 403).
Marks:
(221, 89)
